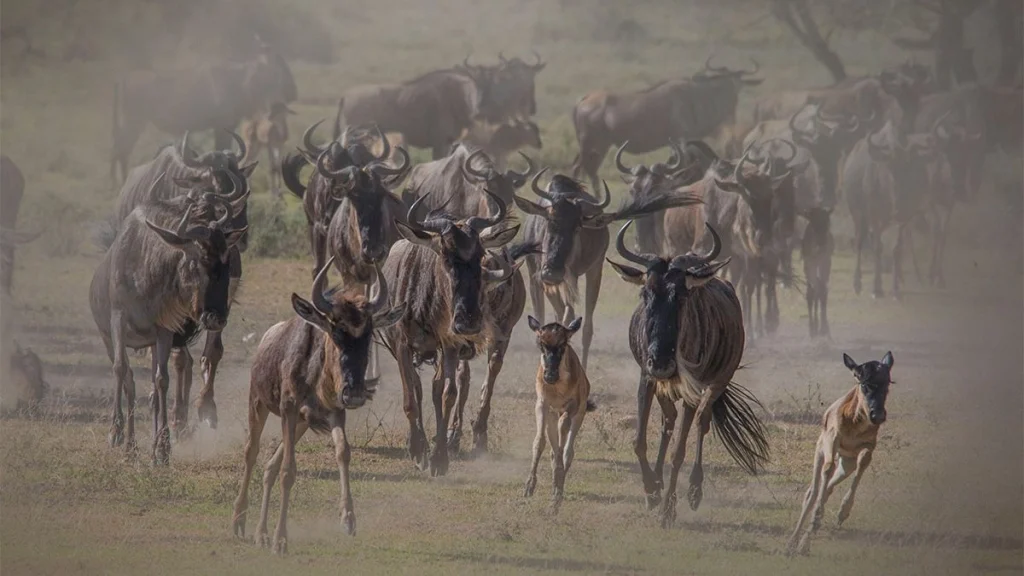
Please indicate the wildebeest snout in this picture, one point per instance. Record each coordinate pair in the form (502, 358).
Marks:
(352, 397)
(212, 321)
(877, 416)
(550, 275)
(374, 254)
(661, 369)
(466, 323)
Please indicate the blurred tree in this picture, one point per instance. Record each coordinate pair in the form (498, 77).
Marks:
(797, 16)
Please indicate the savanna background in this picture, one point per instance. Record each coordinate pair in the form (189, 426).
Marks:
(943, 494)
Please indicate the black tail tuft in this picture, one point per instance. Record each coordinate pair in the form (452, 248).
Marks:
(739, 428)
(521, 249)
(591, 405)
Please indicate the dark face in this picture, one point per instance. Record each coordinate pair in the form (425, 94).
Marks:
(367, 199)
(214, 315)
(461, 255)
(352, 334)
(660, 299)
(564, 220)
(874, 379)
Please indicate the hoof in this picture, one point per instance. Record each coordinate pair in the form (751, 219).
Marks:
(348, 521)
(263, 540)
(694, 496)
(454, 443)
(439, 462)
(418, 449)
(116, 438)
(653, 500)
(207, 413)
(531, 484)
(668, 512)
(479, 444)
(281, 546)
(556, 502)
(238, 527)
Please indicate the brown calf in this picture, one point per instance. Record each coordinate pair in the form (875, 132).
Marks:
(849, 429)
(309, 371)
(268, 129)
(563, 399)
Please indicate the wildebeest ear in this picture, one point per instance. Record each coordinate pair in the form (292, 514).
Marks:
(533, 322)
(187, 182)
(849, 362)
(887, 360)
(387, 319)
(493, 239)
(574, 326)
(729, 186)
(530, 207)
(414, 236)
(234, 236)
(628, 273)
(249, 168)
(168, 237)
(309, 313)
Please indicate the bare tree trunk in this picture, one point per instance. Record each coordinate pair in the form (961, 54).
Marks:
(797, 16)
(1008, 23)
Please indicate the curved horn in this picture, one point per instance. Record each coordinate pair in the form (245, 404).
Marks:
(425, 225)
(710, 68)
(536, 187)
(539, 63)
(788, 144)
(618, 160)
(216, 199)
(467, 166)
(517, 179)
(737, 172)
(620, 246)
(187, 154)
(379, 167)
(506, 271)
(307, 138)
(675, 161)
(757, 68)
(385, 152)
(807, 135)
(241, 144)
(344, 174)
(604, 203)
(716, 244)
(477, 223)
(379, 300)
(318, 298)
(238, 187)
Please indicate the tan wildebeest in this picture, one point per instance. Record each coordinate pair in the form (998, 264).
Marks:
(267, 129)
(563, 399)
(309, 370)
(849, 429)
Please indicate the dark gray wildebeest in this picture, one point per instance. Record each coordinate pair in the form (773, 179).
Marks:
(12, 189)
(268, 129)
(166, 276)
(572, 227)
(816, 249)
(437, 271)
(309, 371)
(431, 111)
(175, 172)
(688, 108)
(513, 86)
(849, 430)
(687, 337)
(887, 180)
(213, 96)
(501, 140)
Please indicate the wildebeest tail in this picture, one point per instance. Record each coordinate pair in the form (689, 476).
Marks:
(591, 405)
(739, 429)
(337, 118)
(290, 167)
(521, 249)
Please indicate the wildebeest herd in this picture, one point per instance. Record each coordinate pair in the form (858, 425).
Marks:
(432, 272)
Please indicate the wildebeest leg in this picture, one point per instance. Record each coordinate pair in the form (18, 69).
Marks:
(125, 137)
(756, 287)
(827, 445)
(860, 235)
(213, 351)
(592, 162)
(558, 305)
(161, 431)
(495, 360)
(570, 434)
(877, 241)
(554, 428)
(257, 420)
(811, 297)
(274, 167)
(593, 291)
(122, 375)
(343, 454)
(289, 422)
(271, 470)
(668, 424)
(936, 275)
(536, 289)
(696, 491)
(445, 393)
(668, 507)
(541, 412)
(412, 393)
(772, 302)
(182, 359)
(462, 378)
(863, 460)
(897, 260)
(824, 273)
(373, 363)
(644, 396)
(821, 452)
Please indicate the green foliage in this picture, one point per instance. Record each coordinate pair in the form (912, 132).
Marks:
(277, 228)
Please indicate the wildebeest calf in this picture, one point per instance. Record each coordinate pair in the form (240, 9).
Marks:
(816, 249)
(268, 129)
(563, 399)
(849, 429)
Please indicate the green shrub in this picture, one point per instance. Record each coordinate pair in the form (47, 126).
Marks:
(277, 228)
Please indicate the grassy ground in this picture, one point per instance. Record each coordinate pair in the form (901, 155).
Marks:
(943, 495)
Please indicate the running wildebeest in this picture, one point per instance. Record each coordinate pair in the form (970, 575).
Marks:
(850, 431)
(688, 108)
(267, 129)
(687, 337)
(437, 270)
(206, 97)
(172, 174)
(563, 400)
(816, 249)
(166, 275)
(309, 371)
(573, 229)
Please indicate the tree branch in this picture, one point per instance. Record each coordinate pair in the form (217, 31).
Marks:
(807, 32)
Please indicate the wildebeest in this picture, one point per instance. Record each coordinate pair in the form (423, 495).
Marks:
(267, 129)
(514, 86)
(500, 141)
(563, 400)
(458, 181)
(166, 275)
(886, 180)
(849, 430)
(430, 111)
(309, 371)
(12, 189)
(437, 270)
(171, 174)
(688, 108)
(687, 336)
(206, 97)
(573, 229)
(816, 249)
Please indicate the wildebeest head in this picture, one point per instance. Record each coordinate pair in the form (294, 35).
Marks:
(214, 240)
(873, 380)
(819, 223)
(906, 156)
(768, 190)
(349, 320)
(272, 79)
(460, 245)
(514, 85)
(958, 147)
(660, 176)
(665, 286)
(552, 340)
(722, 74)
(501, 184)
